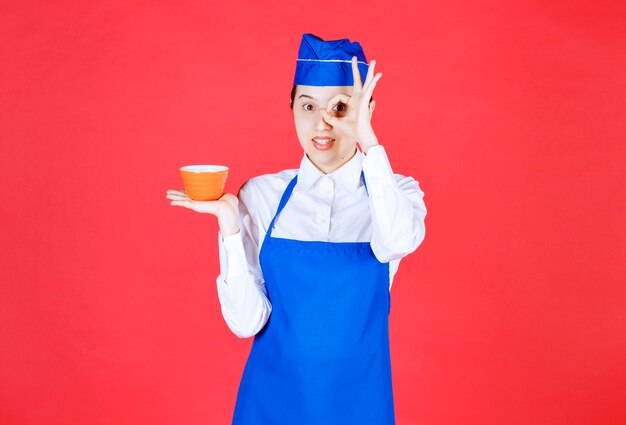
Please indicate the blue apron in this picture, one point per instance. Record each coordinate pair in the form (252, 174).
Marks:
(323, 356)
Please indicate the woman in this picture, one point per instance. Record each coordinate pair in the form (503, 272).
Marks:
(308, 255)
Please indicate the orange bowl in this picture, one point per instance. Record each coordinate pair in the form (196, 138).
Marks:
(204, 182)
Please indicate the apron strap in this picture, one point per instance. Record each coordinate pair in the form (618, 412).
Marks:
(364, 184)
(283, 202)
(287, 194)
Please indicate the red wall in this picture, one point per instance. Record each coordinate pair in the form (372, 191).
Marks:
(512, 311)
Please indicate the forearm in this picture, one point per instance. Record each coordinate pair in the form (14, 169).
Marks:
(229, 224)
(242, 295)
(396, 206)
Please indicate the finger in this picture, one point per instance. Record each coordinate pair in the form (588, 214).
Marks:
(178, 197)
(332, 120)
(177, 193)
(370, 73)
(358, 85)
(336, 122)
(326, 116)
(186, 204)
(336, 99)
(370, 88)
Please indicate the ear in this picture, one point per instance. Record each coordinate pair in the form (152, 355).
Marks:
(372, 105)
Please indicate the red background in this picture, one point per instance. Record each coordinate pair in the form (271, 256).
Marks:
(511, 117)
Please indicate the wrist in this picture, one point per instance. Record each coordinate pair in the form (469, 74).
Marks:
(228, 229)
(367, 144)
(228, 221)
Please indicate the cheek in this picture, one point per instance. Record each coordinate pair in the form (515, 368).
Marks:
(302, 123)
(301, 127)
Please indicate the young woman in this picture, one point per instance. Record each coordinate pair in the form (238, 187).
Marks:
(308, 255)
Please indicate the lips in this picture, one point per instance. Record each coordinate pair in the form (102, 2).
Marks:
(323, 143)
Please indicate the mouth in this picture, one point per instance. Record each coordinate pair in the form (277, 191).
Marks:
(323, 143)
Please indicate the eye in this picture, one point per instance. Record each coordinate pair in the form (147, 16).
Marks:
(307, 107)
(340, 109)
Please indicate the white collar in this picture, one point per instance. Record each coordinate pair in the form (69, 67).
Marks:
(347, 176)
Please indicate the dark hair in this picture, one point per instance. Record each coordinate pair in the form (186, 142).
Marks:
(293, 95)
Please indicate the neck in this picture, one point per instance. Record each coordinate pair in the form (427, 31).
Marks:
(331, 168)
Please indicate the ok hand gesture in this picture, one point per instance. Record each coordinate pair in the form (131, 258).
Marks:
(356, 122)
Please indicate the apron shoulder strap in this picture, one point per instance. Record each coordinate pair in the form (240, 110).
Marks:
(287, 194)
(364, 184)
(283, 202)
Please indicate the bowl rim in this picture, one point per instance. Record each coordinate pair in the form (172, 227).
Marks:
(211, 168)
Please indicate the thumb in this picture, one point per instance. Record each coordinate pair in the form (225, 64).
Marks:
(330, 119)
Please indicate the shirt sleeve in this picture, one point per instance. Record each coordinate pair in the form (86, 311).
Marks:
(240, 285)
(397, 208)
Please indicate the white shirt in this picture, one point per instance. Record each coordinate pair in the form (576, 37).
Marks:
(323, 207)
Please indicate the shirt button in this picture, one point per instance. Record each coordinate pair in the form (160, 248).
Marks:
(323, 221)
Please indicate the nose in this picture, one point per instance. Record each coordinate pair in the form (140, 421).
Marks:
(321, 124)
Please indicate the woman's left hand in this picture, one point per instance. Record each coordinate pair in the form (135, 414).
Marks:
(357, 120)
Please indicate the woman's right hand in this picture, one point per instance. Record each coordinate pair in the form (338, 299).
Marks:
(226, 209)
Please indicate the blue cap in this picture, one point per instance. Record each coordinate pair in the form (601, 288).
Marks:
(328, 63)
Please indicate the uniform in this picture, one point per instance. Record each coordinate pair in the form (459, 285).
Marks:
(309, 276)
